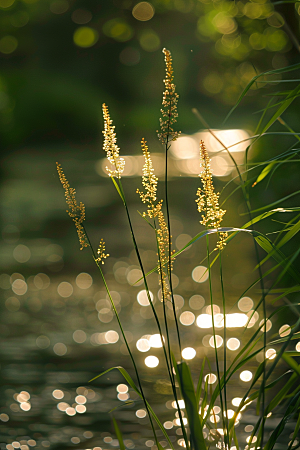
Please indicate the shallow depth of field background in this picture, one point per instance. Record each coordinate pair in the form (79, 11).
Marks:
(60, 60)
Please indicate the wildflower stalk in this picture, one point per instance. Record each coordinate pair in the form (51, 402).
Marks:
(97, 261)
(149, 181)
(167, 134)
(171, 375)
(212, 216)
(214, 332)
(76, 212)
(226, 429)
(248, 206)
(112, 152)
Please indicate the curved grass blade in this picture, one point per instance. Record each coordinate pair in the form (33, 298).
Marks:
(265, 172)
(246, 89)
(274, 203)
(118, 434)
(134, 387)
(185, 381)
(292, 407)
(199, 384)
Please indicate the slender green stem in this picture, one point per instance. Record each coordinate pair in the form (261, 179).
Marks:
(169, 367)
(248, 206)
(214, 332)
(124, 337)
(226, 430)
(170, 244)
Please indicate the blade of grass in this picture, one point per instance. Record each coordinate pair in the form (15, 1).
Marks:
(118, 434)
(134, 387)
(185, 382)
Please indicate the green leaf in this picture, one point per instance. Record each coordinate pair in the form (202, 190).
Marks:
(134, 387)
(200, 380)
(185, 381)
(269, 72)
(289, 235)
(118, 189)
(119, 434)
(264, 173)
(284, 339)
(291, 409)
(291, 362)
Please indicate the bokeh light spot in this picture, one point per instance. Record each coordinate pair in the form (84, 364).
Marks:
(122, 388)
(19, 287)
(151, 361)
(21, 253)
(84, 280)
(246, 375)
(58, 394)
(196, 302)
(59, 6)
(85, 37)
(233, 344)
(216, 341)
(143, 345)
(210, 378)
(42, 341)
(284, 330)
(81, 16)
(149, 41)
(6, 3)
(200, 274)
(271, 353)
(118, 29)
(188, 353)
(65, 289)
(143, 11)
(245, 304)
(141, 413)
(187, 318)
(112, 336)
(142, 298)
(155, 341)
(79, 336)
(60, 349)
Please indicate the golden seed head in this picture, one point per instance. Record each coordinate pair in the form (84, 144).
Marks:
(208, 199)
(149, 181)
(101, 252)
(169, 104)
(163, 252)
(76, 212)
(110, 146)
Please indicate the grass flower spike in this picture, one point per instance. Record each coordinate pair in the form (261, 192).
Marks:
(110, 146)
(208, 199)
(169, 104)
(163, 249)
(101, 252)
(149, 181)
(76, 212)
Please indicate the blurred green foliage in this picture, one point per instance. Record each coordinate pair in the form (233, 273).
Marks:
(61, 59)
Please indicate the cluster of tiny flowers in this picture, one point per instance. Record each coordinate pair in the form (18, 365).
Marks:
(110, 146)
(149, 181)
(163, 248)
(169, 104)
(101, 252)
(208, 199)
(76, 212)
